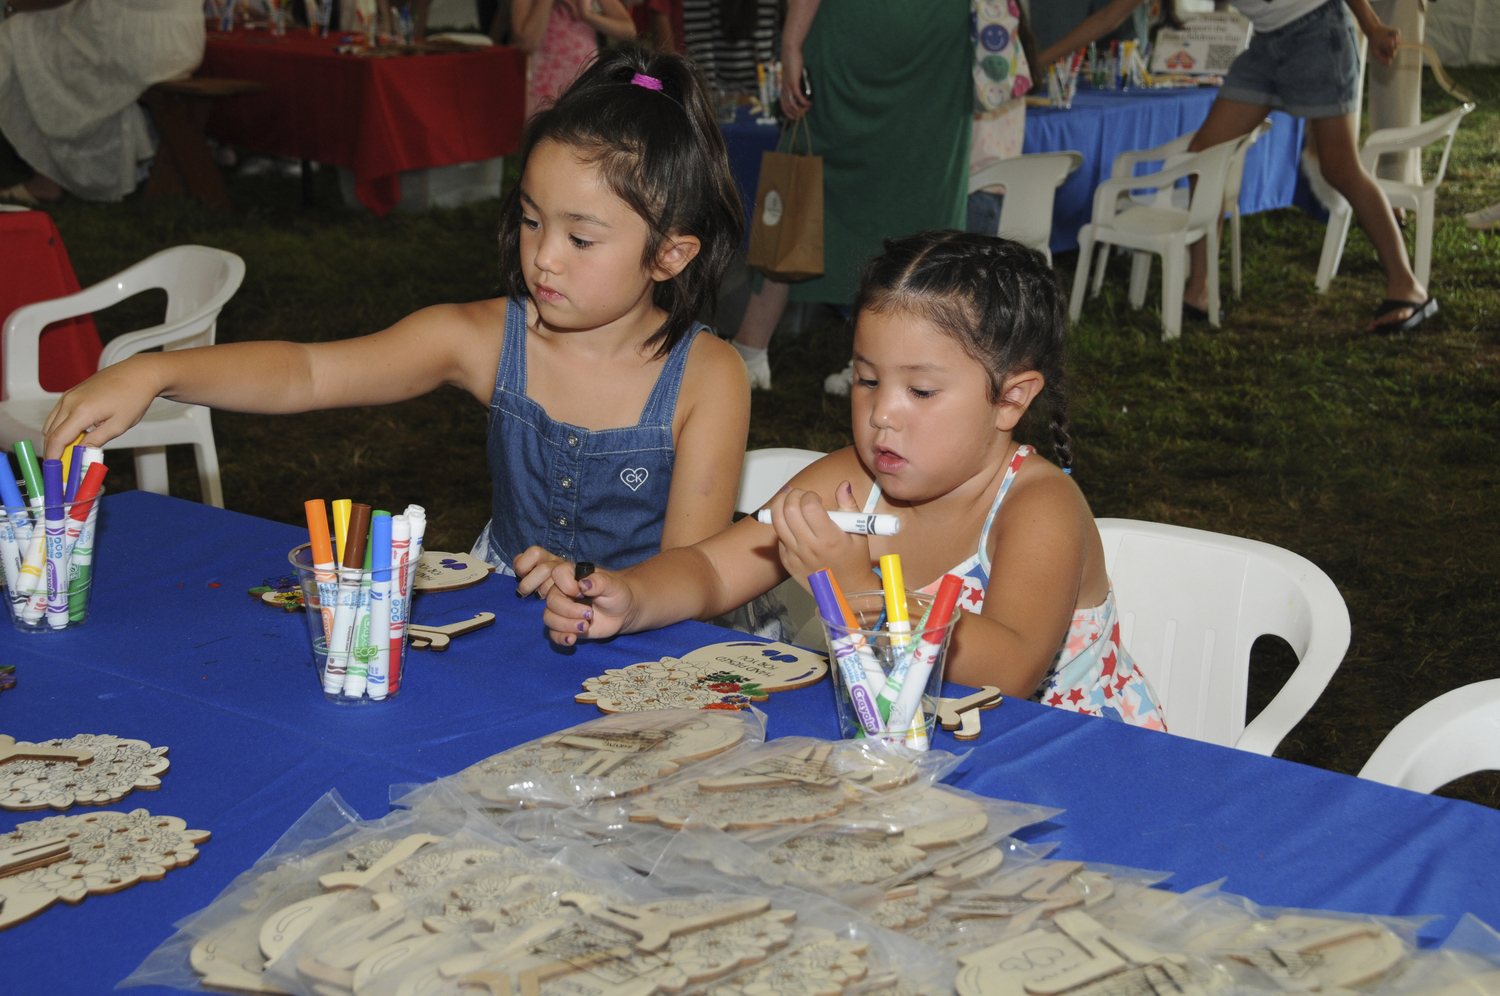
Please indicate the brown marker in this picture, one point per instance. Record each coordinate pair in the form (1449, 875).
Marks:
(357, 537)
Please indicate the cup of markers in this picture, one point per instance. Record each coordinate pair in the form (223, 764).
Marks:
(47, 525)
(357, 584)
(889, 648)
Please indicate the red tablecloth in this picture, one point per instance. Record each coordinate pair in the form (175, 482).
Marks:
(34, 267)
(377, 117)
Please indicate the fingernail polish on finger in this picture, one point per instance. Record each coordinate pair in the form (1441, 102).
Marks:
(581, 627)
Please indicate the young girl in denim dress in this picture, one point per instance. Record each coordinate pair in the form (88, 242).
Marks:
(956, 336)
(616, 428)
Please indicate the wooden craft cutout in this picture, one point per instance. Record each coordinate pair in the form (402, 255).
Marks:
(719, 676)
(282, 928)
(86, 770)
(108, 852)
(1084, 958)
(908, 906)
(1320, 953)
(225, 967)
(653, 928)
(437, 638)
(449, 571)
(401, 849)
(963, 714)
(825, 966)
(959, 873)
(606, 758)
(1029, 894)
(808, 766)
(674, 806)
(32, 854)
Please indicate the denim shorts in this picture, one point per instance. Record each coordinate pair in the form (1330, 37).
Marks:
(1309, 68)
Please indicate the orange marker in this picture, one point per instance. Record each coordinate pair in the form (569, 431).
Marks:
(322, 557)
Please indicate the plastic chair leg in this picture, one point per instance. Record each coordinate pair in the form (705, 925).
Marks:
(1211, 237)
(1081, 274)
(207, 458)
(1173, 279)
(151, 469)
(1423, 267)
(1140, 277)
(1333, 246)
(1101, 261)
(1234, 253)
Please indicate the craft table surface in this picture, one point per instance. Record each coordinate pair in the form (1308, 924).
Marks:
(177, 654)
(1104, 123)
(378, 117)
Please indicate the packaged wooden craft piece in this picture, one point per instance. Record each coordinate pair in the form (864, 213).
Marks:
(607, 758)
(1467, 964)
(791, 780)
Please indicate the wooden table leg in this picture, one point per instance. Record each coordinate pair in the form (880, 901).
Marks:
(183, 156)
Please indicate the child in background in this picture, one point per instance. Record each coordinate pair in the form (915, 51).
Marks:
(956, 336)
(616, 429)
(559, 35)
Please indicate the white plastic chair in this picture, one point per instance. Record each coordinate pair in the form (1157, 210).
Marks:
(764, 474)
(198, 281)
(1030, 184)
(1191, 605)
(1159, 228)
(1170, 153)
(1456, 734)
(1418, 197)
(766, 471)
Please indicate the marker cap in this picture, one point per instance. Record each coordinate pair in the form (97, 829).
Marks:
(88, 490)
(895, 589)
(380, 544)
(317, 531)
(10, 494)
(52, 488)
(358, 536)
(31, 473)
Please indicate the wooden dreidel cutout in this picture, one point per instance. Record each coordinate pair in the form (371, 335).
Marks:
(12, 751)
(773, 667)
(652, 928)
(449, 571)
(963, 714)
(437, 638)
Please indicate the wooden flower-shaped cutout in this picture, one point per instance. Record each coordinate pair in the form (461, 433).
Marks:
(117, 768)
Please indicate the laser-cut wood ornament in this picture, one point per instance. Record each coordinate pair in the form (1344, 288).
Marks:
(85, 770)
(908, 906)
(107, 852)
(449, 571)
(719, 676)
(1318, 953)
(962, 714)
(609, 758)
(1082, 957)
(437, 638)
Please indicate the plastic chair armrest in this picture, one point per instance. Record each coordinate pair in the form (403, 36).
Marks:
(163, 335)
(1126, 162)
(1325, 652)
(1107, 192)
(22, 334)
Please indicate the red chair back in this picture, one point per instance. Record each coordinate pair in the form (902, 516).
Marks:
(34, 267)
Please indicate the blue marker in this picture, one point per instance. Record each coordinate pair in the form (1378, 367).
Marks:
(379, 668)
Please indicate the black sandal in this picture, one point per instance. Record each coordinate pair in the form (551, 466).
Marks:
(1193, 313)
(1421, 311)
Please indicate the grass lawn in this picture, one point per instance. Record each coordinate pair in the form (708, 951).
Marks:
(1376, 457)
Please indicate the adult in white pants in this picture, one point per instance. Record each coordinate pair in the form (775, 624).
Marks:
(1396, 90)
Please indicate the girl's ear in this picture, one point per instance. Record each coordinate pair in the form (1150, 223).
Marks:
(1016, 395)
(677, 251)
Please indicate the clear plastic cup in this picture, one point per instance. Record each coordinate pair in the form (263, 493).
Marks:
(399, 647)
(884, 650)
(47, 609)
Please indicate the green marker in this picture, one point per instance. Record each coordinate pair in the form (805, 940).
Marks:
(364, 646)
(897, 677)
(31, 471)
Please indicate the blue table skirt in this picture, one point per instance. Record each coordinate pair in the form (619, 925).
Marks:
(1104, 123)
(177, 655)
(746, 141)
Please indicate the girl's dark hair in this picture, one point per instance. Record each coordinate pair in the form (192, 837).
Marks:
(660, 151)
(999, 299)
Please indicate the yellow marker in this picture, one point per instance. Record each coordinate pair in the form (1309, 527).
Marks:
(67, 456)
(341, 511)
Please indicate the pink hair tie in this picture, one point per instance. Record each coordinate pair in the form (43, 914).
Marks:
(649, 82)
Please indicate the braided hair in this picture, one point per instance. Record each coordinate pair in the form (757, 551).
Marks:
(658, 150)
(997, 298)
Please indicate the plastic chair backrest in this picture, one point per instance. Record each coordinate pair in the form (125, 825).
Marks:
(1030, 184)
(766, 471)
(1236, 177)
(1419, 136)
(198, 281)
(1212, 167)
(1191, 605)
(1456, 734)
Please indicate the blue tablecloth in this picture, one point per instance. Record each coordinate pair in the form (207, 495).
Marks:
(1104, 123)
(177, 655)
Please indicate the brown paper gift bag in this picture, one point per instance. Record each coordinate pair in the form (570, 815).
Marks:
(786, 239)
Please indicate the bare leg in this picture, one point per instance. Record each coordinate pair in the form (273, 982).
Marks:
(762, 315)
(1341, 168)
(1227, 119)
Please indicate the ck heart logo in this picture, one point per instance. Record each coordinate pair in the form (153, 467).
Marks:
(634, 477)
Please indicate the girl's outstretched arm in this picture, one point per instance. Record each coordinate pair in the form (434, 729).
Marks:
(446, 344)
(1047, 561)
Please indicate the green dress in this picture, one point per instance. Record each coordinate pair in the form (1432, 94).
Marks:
(892, 104)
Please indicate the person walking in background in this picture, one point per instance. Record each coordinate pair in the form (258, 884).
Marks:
(889, 104)
(726, 38)
(70, 76)
(560, 36)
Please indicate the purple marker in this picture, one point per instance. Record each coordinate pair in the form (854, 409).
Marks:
(57, 556)
(75, 474)
(846, 651)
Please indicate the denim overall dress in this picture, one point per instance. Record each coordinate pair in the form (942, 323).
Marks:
(582, 494)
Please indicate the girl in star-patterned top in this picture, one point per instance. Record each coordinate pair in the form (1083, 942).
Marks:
(956, 336)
